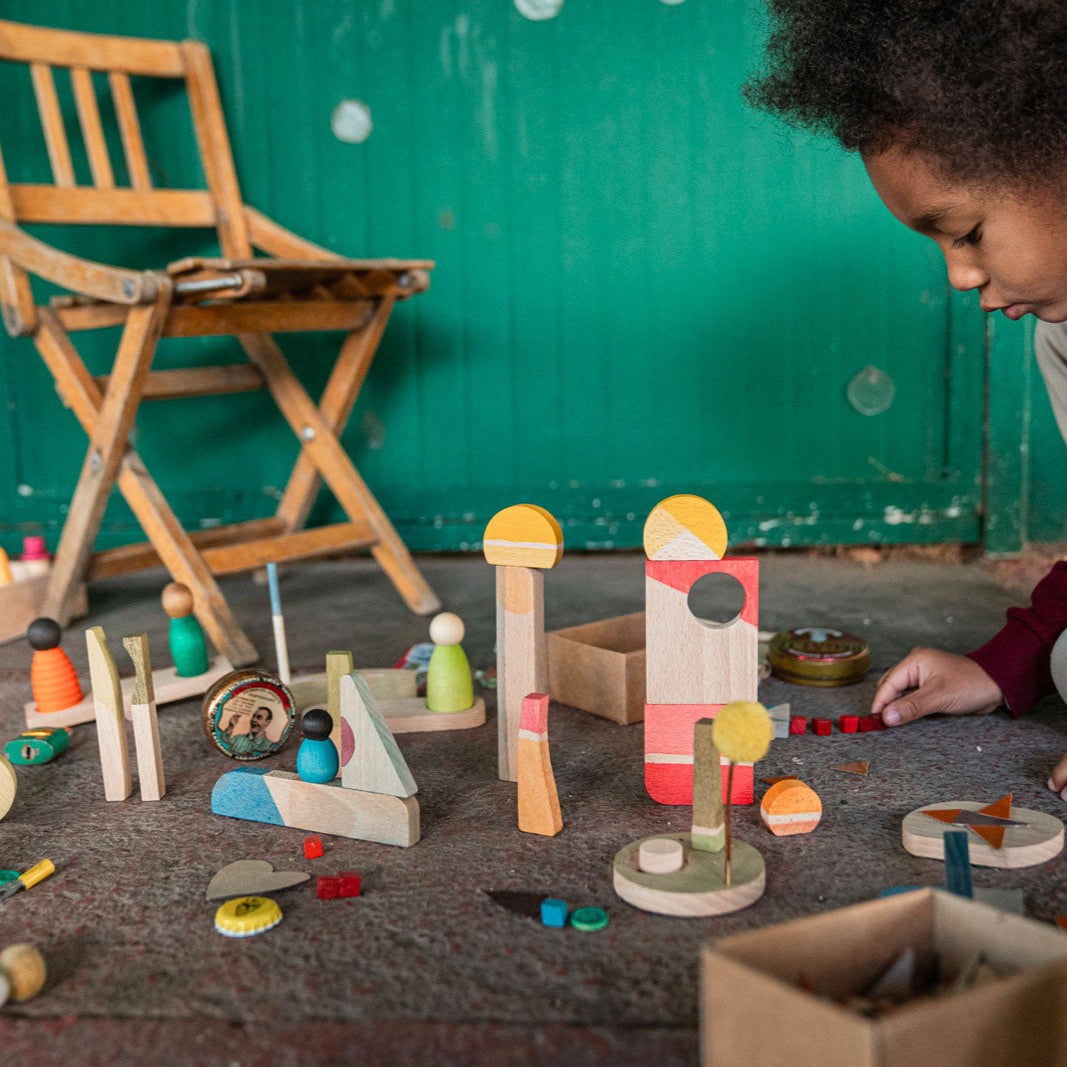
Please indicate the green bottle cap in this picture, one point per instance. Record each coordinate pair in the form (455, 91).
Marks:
(589, 919)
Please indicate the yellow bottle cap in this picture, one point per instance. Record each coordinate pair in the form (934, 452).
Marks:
(247, 916)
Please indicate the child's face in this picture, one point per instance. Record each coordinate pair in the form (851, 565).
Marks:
(1011, 247)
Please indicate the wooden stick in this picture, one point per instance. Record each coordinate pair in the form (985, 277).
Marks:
(281, 649)
(145, 722)
(729, 805)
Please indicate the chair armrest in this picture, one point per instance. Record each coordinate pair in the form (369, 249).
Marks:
(277, 241)
(81, 276)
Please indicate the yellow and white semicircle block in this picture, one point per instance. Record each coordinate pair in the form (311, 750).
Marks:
(523, 535)
(685, 527)
(790, 807)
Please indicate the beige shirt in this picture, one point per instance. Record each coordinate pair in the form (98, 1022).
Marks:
(1050, 345)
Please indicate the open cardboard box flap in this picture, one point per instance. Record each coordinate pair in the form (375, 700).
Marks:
(755, 1012)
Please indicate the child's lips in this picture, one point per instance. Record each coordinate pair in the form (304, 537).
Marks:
(1015, 311)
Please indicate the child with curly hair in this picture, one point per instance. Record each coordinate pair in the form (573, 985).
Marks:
(959, 113)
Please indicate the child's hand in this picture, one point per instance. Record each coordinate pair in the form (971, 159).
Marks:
(937, 682)
(1058, 782)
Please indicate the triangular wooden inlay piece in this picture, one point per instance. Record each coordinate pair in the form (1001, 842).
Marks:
(993, 834)
(857, 767)
(784, 778)
(943, 814)
(1001, 808)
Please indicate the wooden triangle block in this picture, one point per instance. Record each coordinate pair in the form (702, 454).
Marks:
(784, 778)
(1061, 921)
(993, 834)
(370, 758)
(857, 767)
(1001, 809)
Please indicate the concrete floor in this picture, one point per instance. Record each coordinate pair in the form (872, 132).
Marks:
(424, 968)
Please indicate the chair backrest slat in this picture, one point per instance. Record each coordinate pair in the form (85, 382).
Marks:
(92, 128)
(84, 55)
(215, 152)
(68, 48)
(121, 207)
(130, 129)
(55, 134)
(16, 294)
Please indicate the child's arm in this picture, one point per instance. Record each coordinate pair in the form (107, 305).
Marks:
(927, 681)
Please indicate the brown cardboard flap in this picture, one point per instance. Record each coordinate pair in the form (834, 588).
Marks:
(840, 952)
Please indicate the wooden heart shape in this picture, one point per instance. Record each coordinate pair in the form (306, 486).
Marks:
(249, 878)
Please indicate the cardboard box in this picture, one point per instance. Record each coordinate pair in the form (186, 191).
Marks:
(600, 667)
(754, 1012)
(21, 602)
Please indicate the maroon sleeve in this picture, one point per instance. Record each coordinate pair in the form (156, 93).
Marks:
(1018, 657)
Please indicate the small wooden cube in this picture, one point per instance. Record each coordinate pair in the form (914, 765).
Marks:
(798, 724)
(823, 727)
(312, 847)
(329, 888)
(879, 722)
(349, 883)
(866, 724)
(554, 912)
(848, 724)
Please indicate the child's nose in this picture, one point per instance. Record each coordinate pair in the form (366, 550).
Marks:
(963, 275)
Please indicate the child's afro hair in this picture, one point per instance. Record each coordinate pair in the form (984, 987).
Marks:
(980, 86)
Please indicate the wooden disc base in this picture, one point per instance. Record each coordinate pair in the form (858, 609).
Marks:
(1024, 846)
(698, 888)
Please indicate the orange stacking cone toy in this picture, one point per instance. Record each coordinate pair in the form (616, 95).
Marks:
(52, 675)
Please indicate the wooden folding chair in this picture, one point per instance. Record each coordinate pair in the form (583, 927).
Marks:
(304, 287)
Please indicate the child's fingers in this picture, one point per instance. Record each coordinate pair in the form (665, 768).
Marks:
(914, 706)
(1058, 782)
(896, 682)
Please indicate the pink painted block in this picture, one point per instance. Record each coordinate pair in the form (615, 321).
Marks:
(534, 713)
(672, 783)
(823, 727)
(879, 722)
(798, 724)
(669, 727)
(866, 724)
(683, 575)
(848, 724)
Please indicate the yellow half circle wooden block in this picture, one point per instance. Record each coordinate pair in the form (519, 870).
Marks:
(685, 527)
(523, 535)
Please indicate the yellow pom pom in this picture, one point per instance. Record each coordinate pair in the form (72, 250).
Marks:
(743, 731)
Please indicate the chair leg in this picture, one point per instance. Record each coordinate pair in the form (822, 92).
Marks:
(108, 440)
(82, 394)
(182, 558)
(335, 406)
(319, 441)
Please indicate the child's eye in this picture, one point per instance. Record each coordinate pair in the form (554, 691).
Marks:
(967, 239)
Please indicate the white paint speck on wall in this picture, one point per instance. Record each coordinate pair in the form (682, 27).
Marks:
(671, 3)
(539, 9)
(351, 121)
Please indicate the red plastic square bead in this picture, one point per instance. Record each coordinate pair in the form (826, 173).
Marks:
(848, 724)
(312, 848)
(350, 883)
(823, 727)
(329, 888)
(866, 724)
(798, 724)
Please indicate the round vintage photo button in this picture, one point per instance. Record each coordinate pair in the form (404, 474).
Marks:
(248, 714)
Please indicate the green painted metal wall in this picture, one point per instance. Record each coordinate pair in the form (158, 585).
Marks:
(642, 286)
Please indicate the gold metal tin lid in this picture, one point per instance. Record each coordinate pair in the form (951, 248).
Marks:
(819, 655)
